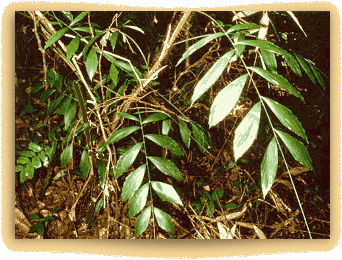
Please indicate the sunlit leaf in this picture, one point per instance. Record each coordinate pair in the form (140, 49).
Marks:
(226, 100)
(92, 63)
(138, 201)
(23, 160)
(66, 155)
(296, 21)
(286, 117)
(55, 37)
(85, 164)
(278, 80)
(247, 131)
(243, 14)
(269, 167)
(133, 182)
(184, 132)
(78, 18)
(141, 223)
(166, 166)
(29, 170)
(68, 15)
(166, 192)
(166, 126)
(36, 162)
(211, 76)
(297, 149)
(136, 28)
(164, 220)
(199, 45)
(167, 143)
(72, 47)
(127, 159)
(34, 147)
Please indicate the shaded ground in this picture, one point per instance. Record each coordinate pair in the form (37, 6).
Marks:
(277, 216)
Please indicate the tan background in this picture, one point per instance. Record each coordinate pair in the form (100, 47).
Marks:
(160, 249)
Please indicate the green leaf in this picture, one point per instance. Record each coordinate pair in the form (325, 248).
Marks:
(66, 155)
(114, 74)
(306, 67)
(51, 151)
(297, 149)
(210, 209)
(92, 63)
(211, 76)
(141, 223)
(247, 131)
(154, 117)
(164, 220)
(45, 95)
(99, 204)
(230, 205)
(55, 37)
(29, 170)
(264, 45)
(54, 104)
(36, 162)
(226, 100)
(278, 80)
(113, 39)
(118, 135)
(286, 117)
(68, 15)
(166, 126)
(126, 160)
(85, 164)
(166, 192)
(23, 160)
(292, 62)
(127, 116)
(199, 45)
(270, 60)
(44, 158)
(133, 182)
(167, 167)
(18, 168)
(245, 26)
(22, 176)
(200, 136)
(121, 64)
(34, 147)
(184, 132)
(167, 143)
(72, 47)
(78, 18)
(138, 201)
(269, 167)
(317, 75)
(101, 168)
(27, 153)
(69, 115)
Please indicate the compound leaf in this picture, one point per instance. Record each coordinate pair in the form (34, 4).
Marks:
(138, 201)
(226, 100)
(166, 192)
(286, 117)
(126, 160)
(269, 167)
(164, 220)
(141, 223)
(211, 76)
(166, 166)
(167, 143)
(297, 149)
(133, 182)
(247, 131)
